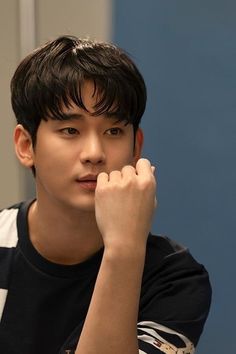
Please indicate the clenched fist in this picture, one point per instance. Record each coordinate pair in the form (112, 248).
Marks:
(124, 204)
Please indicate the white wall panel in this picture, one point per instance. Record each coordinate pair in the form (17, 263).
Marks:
(82, 18)
(10, 174)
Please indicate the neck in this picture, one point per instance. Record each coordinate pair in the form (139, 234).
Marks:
(63, 236)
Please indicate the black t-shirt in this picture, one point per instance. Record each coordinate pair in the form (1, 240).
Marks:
(43, 305)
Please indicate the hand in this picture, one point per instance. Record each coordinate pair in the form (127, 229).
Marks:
(124, 204)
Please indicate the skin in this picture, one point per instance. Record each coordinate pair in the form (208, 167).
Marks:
(72, 218)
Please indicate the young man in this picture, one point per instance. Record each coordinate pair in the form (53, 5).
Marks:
(80, 272)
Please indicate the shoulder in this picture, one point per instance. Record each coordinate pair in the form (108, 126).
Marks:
(163, 244)
(8, 242)
(171, 264)
(164, 252)
(12, 221)
(8, 226)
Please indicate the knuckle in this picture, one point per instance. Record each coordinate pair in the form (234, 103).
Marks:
(143, 160)
(114, 173)
(128, 168)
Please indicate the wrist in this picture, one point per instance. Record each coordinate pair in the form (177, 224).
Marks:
(125, 251)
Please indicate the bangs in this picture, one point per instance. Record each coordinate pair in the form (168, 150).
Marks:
(110, 97)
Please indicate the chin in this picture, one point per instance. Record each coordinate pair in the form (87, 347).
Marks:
(82, 205)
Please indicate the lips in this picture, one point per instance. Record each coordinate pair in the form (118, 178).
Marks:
(88, 182)
(88, 178)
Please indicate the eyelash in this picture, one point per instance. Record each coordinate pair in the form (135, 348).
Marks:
(70, 131)
(116, 129)
(73, 131)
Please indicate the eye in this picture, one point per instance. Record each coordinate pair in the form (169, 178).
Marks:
(114, 131)
(70, 131)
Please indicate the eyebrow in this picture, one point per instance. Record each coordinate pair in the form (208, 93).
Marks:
(71, 116)
(78, 116)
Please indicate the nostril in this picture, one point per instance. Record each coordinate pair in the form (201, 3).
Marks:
(94, 161)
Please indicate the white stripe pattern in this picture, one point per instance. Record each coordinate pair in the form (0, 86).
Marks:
(8, 239)
(3, 296)
(154, 339)
(8, 236)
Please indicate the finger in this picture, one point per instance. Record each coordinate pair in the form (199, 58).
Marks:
(128, 171)
(143, 166)
(102, 178)
(153, 168)
(114, 176)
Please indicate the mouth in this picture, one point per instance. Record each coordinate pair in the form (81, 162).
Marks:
(88, 182)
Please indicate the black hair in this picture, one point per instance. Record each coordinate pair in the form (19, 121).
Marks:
(53, 75)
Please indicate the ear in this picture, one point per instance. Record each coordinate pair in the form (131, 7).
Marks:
(23, 146)
(138, 145)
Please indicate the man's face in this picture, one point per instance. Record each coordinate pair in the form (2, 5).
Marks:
(69, 154)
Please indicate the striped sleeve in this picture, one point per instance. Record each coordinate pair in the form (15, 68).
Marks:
(8, 241)
(155, 338)
(8, 228)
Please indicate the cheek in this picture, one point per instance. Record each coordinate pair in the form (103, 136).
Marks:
(123, 155)
(49, 158)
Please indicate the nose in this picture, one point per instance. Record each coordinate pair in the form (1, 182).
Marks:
(92, 150)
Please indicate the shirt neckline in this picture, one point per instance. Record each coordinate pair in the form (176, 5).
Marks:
(37, 260)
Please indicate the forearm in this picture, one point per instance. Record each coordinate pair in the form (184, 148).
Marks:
(124, 205)
(111, 322)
